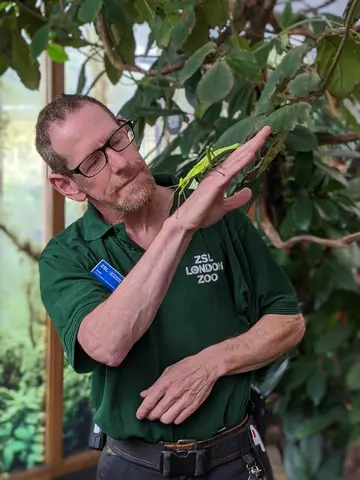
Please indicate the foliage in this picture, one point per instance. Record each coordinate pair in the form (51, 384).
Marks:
(77, 416)
(22, 397)
(241, 67)
(21, 405)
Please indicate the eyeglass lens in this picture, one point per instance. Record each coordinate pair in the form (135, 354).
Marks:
(118, 142)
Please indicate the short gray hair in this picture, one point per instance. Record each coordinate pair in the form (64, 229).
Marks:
(56, 112)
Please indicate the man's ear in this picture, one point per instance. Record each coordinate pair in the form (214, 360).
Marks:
(67, 187)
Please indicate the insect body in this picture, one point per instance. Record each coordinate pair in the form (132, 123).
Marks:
(211, 159)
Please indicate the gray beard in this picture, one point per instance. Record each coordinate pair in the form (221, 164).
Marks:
(144, 194)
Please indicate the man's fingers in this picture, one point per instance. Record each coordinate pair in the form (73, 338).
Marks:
(163, 406)
(184, 414)
(244, 154)
(149, 403)
(174, 411)
(238, 199)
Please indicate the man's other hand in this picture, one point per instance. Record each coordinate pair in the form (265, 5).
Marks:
(179, 391)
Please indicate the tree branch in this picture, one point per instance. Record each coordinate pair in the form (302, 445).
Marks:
(259, 16)
(31, 11)
(348, 25)
(337, 138)
(322, 5)
(24, 247)
(277, 242)
(304, 32)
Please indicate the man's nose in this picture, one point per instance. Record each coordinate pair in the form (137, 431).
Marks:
(116, 160)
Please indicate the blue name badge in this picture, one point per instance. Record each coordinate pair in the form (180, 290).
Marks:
(104, 272)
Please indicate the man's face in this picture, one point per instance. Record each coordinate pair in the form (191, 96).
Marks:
(125, 182)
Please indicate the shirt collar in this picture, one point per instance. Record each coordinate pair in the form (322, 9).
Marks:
(94, 225)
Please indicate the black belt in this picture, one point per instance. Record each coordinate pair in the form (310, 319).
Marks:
(193, 460)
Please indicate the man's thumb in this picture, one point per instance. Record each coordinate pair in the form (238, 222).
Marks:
(238, 199)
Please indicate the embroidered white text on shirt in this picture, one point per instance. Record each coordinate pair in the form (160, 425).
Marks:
(204, 268)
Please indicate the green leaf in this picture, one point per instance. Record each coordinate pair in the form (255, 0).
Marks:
(316, 386)
(304, 84)
(327, 209)
(301, 139)
(312, 450)
(39, 41)
(57, 53)
(273, 376)
(196, 60)
(240, 98)
(25, 433)
(336, 337)
(349, 117)
(216, 83)
(287, 15)
(7, 457)
(277, 81)
(313, 254)
(298, 374)
(113, 73)
(354, 415)
(162, 31)
(353, 377)
(4, 65)
(314, 425)
(303, 167)
(183, 27)
(243, 64)
(322, 282)
(5, 37)
(239, 132)
(294, 463)
(216, 12)
(261, 52)
(347, 72)
(82, 78)
(349, 257)
(199, 34)
(89, 10)
(303, 212)
(356, 12)
(27, 69)
(332, 468)
(332, 173)
(286, 118)
(145, 11)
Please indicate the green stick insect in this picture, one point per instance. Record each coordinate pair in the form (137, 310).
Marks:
(211, 159)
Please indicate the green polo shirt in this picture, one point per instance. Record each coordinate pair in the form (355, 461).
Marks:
(226, 280)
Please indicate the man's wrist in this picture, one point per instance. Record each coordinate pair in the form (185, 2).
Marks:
(172, 224)
(215, 358)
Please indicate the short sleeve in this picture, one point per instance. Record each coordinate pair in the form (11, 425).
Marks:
(272, 289)
(69, 293)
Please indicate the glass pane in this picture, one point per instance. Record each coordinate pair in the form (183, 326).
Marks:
(22, 321)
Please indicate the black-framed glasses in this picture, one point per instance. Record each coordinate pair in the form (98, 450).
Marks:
(96, 161)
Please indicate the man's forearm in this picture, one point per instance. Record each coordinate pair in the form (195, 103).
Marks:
(268, 339)
(108, 333)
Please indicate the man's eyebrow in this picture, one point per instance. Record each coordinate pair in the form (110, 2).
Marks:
(103, 140)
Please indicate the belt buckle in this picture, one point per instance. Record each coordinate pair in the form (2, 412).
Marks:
(186, 441)
(193, 462)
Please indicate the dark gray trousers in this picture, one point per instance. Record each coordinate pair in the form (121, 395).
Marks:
(113, 467)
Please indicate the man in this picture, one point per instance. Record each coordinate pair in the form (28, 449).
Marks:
(202, 303)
